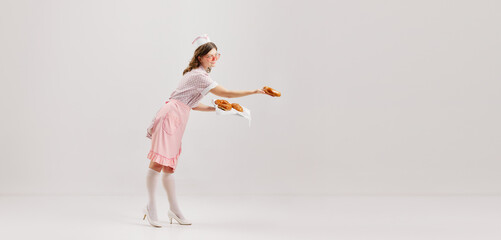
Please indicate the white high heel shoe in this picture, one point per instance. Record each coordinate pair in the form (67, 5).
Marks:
(180, 221)
(147, 215)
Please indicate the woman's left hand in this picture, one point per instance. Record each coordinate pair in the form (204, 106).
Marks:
(259, 91)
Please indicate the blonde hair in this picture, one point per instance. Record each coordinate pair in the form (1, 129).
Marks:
(199, 52)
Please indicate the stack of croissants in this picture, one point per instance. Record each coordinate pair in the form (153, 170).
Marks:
(227, 106)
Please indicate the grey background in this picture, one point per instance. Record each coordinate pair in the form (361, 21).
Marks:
(379, 97)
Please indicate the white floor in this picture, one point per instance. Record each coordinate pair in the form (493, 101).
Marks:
(254, 217)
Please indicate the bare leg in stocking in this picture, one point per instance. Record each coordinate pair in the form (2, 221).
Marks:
(169, 185)
(152, 177)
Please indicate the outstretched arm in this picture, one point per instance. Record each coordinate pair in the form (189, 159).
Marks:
(223, 92)
(204, 108)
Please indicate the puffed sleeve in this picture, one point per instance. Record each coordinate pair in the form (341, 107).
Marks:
(205, 84)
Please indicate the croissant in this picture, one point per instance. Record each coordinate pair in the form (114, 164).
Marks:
(221, 101)
(272, 92)
(237, 107)
(223, 104)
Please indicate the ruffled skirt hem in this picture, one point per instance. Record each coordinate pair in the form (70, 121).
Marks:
(162, 160)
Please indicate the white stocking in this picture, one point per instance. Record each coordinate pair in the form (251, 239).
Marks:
(151, 184)
(169, 185)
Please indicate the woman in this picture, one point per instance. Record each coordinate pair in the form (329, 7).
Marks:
(167, 128)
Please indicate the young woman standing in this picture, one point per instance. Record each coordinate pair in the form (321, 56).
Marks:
(167, 127)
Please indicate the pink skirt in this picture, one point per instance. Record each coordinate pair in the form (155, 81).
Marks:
(166, 133)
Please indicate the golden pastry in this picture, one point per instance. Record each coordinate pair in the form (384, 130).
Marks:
(237, 107)
(272, 92)
(223, 104)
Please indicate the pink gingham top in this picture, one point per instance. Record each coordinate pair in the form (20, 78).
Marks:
(194, 85)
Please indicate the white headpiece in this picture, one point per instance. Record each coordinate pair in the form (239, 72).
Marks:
(201, 40)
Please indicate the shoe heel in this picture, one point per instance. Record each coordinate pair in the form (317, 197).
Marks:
(182, 222)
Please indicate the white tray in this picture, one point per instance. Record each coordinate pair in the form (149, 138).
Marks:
(245, 114)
